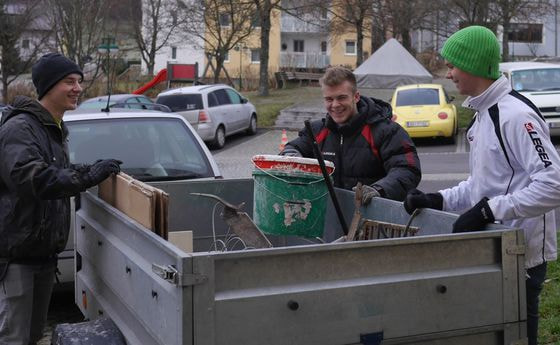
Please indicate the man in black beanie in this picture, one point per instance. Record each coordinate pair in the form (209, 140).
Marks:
(36, 183)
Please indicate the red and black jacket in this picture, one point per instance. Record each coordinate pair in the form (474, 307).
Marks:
(369, 148)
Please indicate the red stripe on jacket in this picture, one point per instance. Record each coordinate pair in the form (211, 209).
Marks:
(409, 154)
(366, 133)
(322, 135)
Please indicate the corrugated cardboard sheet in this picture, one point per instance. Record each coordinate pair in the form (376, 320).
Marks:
(145, 204)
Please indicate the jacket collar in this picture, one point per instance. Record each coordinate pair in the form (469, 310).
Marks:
(499, 88)
(23, 104)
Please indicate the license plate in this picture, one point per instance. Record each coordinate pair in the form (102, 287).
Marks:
(417, 124)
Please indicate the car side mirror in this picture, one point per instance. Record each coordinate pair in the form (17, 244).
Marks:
(451, 98)
(244, 100)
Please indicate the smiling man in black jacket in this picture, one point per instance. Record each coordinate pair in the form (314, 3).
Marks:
(36, 182)
(358, 136)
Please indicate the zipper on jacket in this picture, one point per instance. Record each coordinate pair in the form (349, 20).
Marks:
(340, 167)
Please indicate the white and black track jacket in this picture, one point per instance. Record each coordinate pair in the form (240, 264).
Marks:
(513, 162)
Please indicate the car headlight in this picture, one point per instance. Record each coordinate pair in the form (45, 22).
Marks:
(442, 115)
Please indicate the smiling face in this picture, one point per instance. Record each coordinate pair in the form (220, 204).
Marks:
(63, 96)
(467, 84)
(341, 101)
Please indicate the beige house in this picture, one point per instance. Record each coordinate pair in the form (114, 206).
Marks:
(302, 43)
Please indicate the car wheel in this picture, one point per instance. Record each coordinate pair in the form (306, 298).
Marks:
(219, 138)
(452, 140)
(252, 125)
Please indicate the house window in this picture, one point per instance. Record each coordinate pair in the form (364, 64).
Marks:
(256, 21)
(174, 53)
(25, 44)
(255, 55)
(323, 13)
(323, 47)
(225, 19)
(298, 46)
(350, 48)
(226, 57)
(525, 32)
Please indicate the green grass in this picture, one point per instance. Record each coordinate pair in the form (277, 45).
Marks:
(268, 108)
(549, 325)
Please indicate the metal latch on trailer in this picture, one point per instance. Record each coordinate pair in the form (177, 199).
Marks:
(516, 250)
(170, 274)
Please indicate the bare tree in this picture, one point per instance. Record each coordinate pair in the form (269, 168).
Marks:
(352, 16)
(221, 25)
(157, 21)
(470, 12)
(264, 12)
(19, 21)
(504, 12)
(78, 26)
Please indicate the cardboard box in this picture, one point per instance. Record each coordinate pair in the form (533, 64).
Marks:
(145, 204)
(182, 240)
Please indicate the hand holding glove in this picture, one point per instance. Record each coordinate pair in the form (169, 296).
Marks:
(417, 199)
(369, 192)
(100, 170)
(475, 218)
(290, 152)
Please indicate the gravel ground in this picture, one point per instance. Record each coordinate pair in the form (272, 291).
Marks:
(61, 310)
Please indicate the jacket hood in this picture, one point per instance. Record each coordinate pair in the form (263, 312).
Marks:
(370, 110)
(23, 104)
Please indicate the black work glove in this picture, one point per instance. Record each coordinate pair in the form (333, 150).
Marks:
(369, 192)
(417, 199)
(290, 152)
(100, 170)
(475, 218)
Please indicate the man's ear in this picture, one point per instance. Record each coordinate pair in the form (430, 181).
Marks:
(357, 97)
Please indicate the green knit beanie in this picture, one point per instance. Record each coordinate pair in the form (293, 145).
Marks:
(474, 49)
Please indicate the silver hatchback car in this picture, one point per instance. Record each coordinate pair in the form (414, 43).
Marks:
(215, 111)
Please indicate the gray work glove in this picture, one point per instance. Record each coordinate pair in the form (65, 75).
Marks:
(369, 192)
(290, 152)
(100, 170)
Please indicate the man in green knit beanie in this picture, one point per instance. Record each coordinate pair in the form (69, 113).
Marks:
(514, 168)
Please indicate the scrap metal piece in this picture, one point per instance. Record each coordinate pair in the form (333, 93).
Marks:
(357, 217)
(240, 223)
(373, 229)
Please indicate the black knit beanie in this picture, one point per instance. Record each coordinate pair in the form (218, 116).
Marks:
(50, 69)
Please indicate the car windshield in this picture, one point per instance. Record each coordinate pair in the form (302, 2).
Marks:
(417, 97)
(182, 102)
(545, 79)
(150, 148)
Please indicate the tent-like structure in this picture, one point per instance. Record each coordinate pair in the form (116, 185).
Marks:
(390, 66)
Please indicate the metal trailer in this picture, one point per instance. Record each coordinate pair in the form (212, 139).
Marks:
(434, 288)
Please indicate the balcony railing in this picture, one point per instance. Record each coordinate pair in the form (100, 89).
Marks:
(307, 25)
(304, 60)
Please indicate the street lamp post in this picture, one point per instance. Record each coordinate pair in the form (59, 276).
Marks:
(108, 47)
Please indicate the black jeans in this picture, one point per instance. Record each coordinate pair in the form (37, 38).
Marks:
(534, 285)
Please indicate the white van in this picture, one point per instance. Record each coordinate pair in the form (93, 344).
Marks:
(540, 83)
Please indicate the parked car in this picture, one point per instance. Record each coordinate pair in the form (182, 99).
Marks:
(215, 111)
(540, 83)
(424, 111)
(153, 146)
(128, 101)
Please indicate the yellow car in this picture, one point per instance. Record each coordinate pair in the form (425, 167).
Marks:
(425, 111)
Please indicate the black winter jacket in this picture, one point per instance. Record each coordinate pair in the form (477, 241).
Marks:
(369, 148)
(35, 183)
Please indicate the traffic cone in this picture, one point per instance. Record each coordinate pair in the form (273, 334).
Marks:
(284, 140)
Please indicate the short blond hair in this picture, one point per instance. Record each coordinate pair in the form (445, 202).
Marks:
(336, 75)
